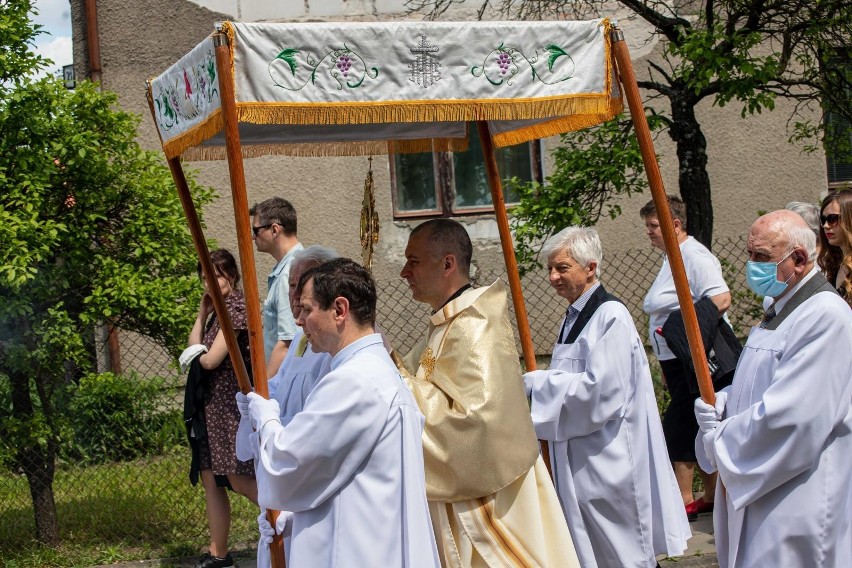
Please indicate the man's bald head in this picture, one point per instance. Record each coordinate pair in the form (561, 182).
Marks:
(787, 230)
(785, 240)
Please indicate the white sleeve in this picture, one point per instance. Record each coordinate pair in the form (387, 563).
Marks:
(568, 405)
(319, 451)
(704, 274)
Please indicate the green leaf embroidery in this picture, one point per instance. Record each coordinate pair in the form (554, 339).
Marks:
(555, 52)
(288, 55)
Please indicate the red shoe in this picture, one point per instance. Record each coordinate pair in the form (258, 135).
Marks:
(697, 507)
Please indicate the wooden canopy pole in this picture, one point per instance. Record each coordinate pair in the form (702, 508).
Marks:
(246, 247)
(241, 212)
(658, 192)
(209, 272)
(496, 186)
(207, 269)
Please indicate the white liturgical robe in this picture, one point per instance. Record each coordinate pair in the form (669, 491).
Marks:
(291, 385)
(596, 407)
(784, 447)
(299, 373)
(350, 468)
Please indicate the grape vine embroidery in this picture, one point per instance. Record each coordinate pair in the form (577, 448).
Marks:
(344, 65)
(503, 64)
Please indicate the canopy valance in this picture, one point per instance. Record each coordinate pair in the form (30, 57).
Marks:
(371, 88)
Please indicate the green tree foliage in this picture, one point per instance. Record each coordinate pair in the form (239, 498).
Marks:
(592, 169)
(91, 233)
(745, 52)
(119, 418)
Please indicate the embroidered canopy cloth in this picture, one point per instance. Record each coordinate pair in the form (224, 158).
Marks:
(378, 87)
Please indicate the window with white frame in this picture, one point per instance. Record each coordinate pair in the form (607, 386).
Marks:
(444, 184)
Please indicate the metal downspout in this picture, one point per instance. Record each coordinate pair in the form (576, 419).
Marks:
(93, 41)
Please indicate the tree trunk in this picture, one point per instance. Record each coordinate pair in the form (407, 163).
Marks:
(38, 463)
(693, 179)
(39, 469)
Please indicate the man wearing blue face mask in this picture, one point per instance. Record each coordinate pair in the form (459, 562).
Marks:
(781, 435)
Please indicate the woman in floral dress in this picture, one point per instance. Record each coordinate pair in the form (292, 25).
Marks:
(220, 468)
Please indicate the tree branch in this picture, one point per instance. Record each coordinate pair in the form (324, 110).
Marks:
(670, 27)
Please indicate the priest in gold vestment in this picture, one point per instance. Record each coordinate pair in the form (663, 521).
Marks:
(490, 497)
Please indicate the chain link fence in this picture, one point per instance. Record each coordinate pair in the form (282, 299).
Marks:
(146, 501)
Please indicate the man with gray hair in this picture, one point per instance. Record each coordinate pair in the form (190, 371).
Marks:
(596, 408)
(807, 211)
(810, 213)
(781, 435)
(302, 366)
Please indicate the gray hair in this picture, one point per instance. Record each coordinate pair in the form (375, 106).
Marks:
(791, 230)
(807, 211)
(312, 256)
(800, 236)
(582, 243)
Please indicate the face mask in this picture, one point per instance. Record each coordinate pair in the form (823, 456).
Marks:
(762, 278)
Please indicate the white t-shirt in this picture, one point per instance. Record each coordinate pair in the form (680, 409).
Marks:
(704, 273)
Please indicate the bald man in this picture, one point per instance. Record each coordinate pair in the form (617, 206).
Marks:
(781, 435)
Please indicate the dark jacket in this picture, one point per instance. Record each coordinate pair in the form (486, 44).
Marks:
(720, 344)
(193, 415)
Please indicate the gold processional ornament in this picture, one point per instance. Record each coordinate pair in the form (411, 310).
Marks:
(369, 238)
(369, 220)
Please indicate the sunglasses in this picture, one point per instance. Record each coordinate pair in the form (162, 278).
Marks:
(829, 219)
(257, 230)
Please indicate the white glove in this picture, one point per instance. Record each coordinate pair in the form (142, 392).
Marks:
(709, 417)
(262, 410)
(531, 378)
(244, 448)
(189, 354)
(266, 530)
(243, 405)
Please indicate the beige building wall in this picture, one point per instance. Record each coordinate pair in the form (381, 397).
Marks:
(752, 167)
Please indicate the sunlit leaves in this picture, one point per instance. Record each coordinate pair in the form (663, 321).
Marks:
(592, 169)
(88, 221)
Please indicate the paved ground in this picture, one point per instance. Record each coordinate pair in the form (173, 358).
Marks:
(702, 547)
(700, 554)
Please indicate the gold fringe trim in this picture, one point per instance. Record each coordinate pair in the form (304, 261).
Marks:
(202, 131)
(421, 111)
(325, 149)
(189, 142)
(557, 126)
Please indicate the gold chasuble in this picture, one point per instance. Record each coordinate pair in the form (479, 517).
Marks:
(490, 497)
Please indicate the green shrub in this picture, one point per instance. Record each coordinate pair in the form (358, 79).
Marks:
(119, 418)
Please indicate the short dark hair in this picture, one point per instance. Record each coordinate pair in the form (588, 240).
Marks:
(676, 206)
(446, 236)
(343, 277)
(224, 264)
(276, 210)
